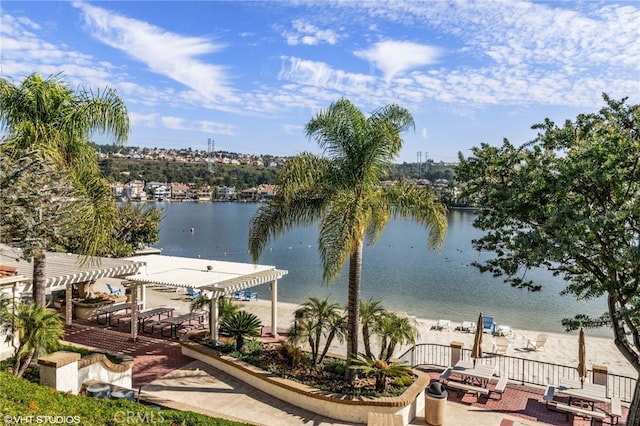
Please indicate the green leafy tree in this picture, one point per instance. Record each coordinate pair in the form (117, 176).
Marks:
(379, 369)
(569, 201)
(240, 325)
(393, 330)
(319, 321)
(46, 116)
(34, 328)
(342, 191)
(370, 313)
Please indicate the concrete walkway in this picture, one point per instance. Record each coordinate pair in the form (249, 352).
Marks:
(201, 388)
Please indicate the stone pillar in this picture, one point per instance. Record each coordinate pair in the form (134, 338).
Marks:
(134, 312)
(600, 373)
(60, 370)
(456, 352)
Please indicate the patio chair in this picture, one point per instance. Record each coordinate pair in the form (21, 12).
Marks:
(501, 345)
(538, 343)
(488, 324)
(114, 290)
(250, 295)
(192, 293)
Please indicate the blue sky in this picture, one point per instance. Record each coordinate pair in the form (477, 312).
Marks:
(250, 75)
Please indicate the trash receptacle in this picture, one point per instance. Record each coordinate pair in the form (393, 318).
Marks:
(435, 400)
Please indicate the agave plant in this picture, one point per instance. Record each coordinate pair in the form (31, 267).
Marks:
(380, 369)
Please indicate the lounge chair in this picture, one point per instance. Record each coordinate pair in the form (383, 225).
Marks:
(501, 345)
(538, 343)
(114, 290)
(442, 324)
(468, 326)
(192, 293)
(250, 295)
(503, 330)
(488, 324)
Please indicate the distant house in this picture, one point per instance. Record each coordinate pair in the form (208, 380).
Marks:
(180, 191)
(267, 191)
(225, 192)
(134, 190)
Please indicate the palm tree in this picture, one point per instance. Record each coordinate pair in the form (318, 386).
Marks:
(392, 331)
(318, 318)
(380, 369)
(342, 191)
(47, 116)
(370, 313)
(36, 329)
(239, 325)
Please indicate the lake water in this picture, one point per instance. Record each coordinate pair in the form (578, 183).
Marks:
(399, 270)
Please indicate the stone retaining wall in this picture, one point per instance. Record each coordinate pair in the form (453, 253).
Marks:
(353, 409)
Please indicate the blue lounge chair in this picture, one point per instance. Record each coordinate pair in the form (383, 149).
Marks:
(250, 295)
(488, 324)
(112, 290)
(192, 293)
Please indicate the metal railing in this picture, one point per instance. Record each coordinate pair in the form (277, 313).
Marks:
(524, 371)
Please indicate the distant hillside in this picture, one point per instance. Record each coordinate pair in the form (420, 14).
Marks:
(123, 164)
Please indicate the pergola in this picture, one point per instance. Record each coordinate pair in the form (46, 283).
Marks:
(220, 278)
(63, 270)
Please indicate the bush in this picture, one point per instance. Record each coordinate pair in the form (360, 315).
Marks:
(20, 397)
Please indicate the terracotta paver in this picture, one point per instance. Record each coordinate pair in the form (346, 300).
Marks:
(156, 357)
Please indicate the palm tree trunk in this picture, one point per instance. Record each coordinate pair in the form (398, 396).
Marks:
(366, 339)
(24, 363)
(353, 308)
(327, 344)
(39, 279)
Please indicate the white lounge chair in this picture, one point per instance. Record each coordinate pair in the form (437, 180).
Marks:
(468, 326)
(442, 324)
(538, 343)
(501, 345)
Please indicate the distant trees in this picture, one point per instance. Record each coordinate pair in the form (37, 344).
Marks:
(569, 201)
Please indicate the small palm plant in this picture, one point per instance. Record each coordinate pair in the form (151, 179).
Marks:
(379, 369)
(240, 325)
(370, 312)
(35, 328)
(392, 331)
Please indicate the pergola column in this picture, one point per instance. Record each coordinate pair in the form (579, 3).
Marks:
(213, 318)
(68, 304)
(274, 308)
(143, 296)
(134, 311)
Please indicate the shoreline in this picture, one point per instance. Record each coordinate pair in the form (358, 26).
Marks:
(559, 348)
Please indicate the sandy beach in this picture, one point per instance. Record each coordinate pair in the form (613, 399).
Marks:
(559, 348)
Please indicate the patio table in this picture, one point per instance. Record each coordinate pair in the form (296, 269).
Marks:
(145, 315)
(108, 310)
(589, 392)
(482, 373)
(175, 323)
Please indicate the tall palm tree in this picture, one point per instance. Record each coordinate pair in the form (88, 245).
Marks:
(47, 116)
(370, 312)
(342, 191)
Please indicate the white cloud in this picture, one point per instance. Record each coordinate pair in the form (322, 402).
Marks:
(396, 57)
(306, 33)
(293, 129)
(320, 74)
(216, 128)
(165, 53)
(174, 123)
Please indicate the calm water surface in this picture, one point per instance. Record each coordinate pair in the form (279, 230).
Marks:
(399, 270)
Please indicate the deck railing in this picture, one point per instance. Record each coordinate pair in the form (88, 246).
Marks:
(524, 371)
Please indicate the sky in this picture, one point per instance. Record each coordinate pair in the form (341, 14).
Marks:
(250, 75)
